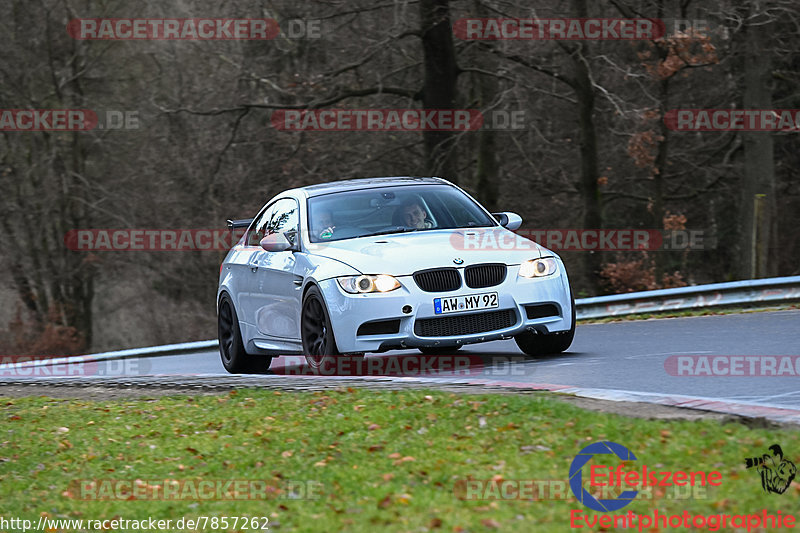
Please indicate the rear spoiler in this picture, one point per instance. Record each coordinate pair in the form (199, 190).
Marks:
(241, 223)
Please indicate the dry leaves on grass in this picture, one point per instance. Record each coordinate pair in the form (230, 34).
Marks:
(400, 459)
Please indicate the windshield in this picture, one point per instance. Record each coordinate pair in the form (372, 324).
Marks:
(383, 210)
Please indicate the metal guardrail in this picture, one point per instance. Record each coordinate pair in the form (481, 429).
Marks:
(769, 290)
(147, 351)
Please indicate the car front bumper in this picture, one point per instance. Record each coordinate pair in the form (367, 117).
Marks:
(525, 304)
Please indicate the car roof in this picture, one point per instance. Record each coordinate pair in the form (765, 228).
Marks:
(367, 183)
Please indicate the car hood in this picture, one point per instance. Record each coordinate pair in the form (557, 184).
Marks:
(403, 254)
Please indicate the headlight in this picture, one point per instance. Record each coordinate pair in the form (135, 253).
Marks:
(537, 268)
(362, 284)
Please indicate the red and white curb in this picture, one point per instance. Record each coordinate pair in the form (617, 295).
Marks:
(745, 409)
(737, 408)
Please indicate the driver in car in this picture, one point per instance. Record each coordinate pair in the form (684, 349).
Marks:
(414, 215)
(324, 224)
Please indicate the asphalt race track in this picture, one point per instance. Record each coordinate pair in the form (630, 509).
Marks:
(614, 358)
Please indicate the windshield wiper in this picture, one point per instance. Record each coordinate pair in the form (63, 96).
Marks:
(399, 229)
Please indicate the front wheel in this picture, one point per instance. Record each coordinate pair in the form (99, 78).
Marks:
(547, 344)
(319, 345)
(231, 348)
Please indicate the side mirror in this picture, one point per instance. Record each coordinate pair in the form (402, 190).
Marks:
(508, 220)
(234, 224)
(277, 242)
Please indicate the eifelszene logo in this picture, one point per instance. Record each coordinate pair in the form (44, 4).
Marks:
(776, 471)
(576, 476)
(619, 476)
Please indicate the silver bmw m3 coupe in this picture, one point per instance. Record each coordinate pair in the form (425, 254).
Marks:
(374, 264)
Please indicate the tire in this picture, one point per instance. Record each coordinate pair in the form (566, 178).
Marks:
(316, 332)
(534, 344)
(231, 349)
(440, 350)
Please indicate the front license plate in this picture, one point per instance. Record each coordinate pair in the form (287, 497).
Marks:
(473, 302)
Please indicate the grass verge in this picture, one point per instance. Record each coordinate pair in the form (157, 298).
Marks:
(370, 461)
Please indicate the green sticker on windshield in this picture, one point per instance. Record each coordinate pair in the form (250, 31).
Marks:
(325, 235)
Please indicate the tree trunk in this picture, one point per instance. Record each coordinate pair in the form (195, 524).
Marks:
(439, 90)
(757, 233)
(659, 169)
(486, 182)
(587, 142)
